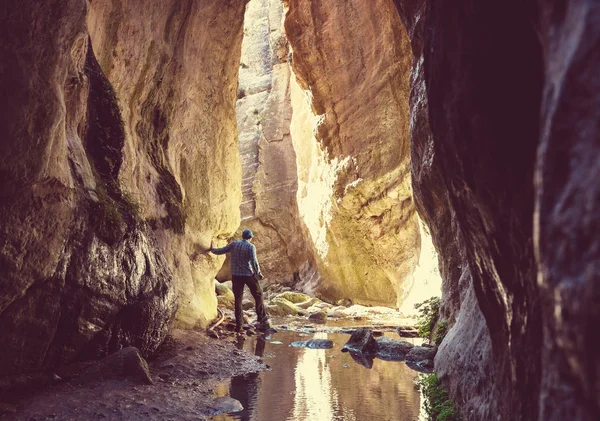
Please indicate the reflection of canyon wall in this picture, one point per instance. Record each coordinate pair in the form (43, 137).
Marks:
(118, 161)
(307, 385)
(493, 111)
(269, 178)
(354, 189)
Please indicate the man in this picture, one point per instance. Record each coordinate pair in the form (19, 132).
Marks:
(245, 271)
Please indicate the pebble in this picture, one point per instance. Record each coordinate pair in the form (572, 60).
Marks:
(276, 343)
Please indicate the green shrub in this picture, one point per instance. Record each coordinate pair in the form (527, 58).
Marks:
(438, 405)
(440, 332)
(428, 315)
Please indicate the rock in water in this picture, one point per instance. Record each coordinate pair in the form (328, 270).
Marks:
(226, 405)
(420, 354)
(392, 349)
(361, 341)
(314, 344)
(407, 332)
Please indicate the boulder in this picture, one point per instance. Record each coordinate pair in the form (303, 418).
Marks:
(308, 303)
(282, 307)
(361, 341)
(226, 302)
(420, 353)
(318, 317)
(392, 349)
(126, 364)
(295, 297)
(314, 344)
(407, 332)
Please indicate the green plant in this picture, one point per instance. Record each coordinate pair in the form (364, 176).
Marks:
(440, 332)
(438, 405)
(428, 315)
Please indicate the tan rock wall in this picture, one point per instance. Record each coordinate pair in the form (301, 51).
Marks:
(354, 58)
(118, 163)
(269, 179)
(174, 68)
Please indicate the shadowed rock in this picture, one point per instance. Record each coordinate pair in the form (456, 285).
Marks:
(392, 349)
(124, 364)
(420, 353)
(362, 342)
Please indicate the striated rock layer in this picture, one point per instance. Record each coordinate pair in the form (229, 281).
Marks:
(478, 141)
(351, 60)
(269, 174)
(115, 144)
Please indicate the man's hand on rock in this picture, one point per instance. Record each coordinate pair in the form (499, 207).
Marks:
(261, 276)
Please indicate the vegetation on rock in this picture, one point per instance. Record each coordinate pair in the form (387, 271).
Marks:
(428, 316)
(440, 332)
(438, 406)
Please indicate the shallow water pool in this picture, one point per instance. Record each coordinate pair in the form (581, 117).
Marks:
(320, 384)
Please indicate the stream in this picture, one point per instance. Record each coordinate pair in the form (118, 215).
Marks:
(320, 384)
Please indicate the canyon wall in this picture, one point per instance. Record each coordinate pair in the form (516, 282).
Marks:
(492, 110)
(118, 164)
(351, 61)
(269, 173)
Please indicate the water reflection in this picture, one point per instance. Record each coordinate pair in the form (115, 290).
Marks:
(317, 384)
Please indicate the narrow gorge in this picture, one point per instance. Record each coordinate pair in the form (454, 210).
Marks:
(381, 151)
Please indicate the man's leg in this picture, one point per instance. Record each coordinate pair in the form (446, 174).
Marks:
(257, 293)
(238, 293)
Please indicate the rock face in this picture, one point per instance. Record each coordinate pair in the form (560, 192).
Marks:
(174, 66)
(269, 174)
(111, 172)
(354, 190)
(522, 254)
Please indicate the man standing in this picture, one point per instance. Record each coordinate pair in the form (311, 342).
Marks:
(245, 271)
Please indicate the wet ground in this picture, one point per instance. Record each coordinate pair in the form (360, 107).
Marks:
(273, 381)
(320, 384)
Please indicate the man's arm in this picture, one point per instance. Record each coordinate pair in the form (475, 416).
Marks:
(221, 250)
(255, 264)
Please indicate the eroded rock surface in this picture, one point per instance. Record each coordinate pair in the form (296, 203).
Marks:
(484, 90)
(269, 174)
(112, 172)
(353, 165)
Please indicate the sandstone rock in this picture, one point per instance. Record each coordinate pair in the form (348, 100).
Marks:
(225, 296)
(318, 317)
(124, 364)
(282, 307)
(112, 182)
(361, 341)
(392, 349)
(314, 344)
(354, 189)
(269, 172)
(295, 297)
(226, 302)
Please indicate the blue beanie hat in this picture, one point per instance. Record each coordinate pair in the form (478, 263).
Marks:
(247, 234)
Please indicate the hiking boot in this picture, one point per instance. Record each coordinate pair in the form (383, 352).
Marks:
(264, 324)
